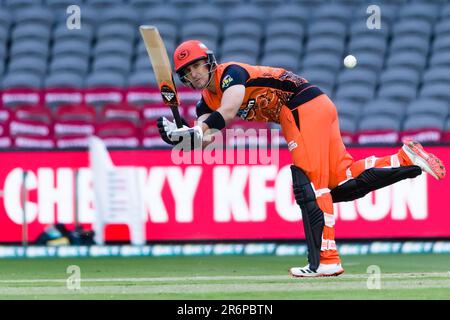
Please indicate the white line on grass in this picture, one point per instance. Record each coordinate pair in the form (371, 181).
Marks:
(230, 278)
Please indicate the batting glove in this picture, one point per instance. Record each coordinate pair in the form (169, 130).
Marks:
(193, 135)
(165, 126)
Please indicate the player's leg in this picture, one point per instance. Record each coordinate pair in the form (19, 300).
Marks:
(306, 130)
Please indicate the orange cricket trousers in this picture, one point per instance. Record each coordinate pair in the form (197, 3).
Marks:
(314, 140)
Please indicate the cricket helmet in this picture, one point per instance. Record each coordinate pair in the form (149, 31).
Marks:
(190, 52)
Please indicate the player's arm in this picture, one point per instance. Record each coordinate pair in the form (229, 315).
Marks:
(232, 84)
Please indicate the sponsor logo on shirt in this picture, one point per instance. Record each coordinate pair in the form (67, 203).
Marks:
(244, 112)
(226, 81)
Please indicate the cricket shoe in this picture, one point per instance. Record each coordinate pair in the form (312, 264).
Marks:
(324, 270)
(428, 162)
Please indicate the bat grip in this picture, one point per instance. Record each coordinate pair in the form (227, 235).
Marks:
(176, 115)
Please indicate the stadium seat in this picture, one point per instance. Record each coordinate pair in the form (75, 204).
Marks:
(105, 79)
(363, 76)
(349, 109)
(348, 128)
(29, 48)
(442, 28)
(120, 111)
(289, 13)
(21, 80)
(73, 125)
(413, 60)
(410, 43)
(119, 47)
(283, 44)
(399, 92)
(428, 106)
(419, 11)
(118, 134)
(103, 4)
(6, 19)
(437, 75)
(243, 28)
(34, 15)
(200, 29)
(400, 75)
(281, 60)
(112, 62)
(75, 64)
(423, 128)
(366, 44)
(369, 60)
(440, 59)
(435, 90)
(334, 29)
(441, 43)
(293, 30)
(325, 44)
(163, 12)
(121, 14)
(356, 92)
(328, 61)
(30, 31)
(64, 79)
(240, 46)
(359, 29)
(205, 13)
(142, 63)
(65, 48)
(240, 57)
(61, 32)
(144, 5)
(141, 78)
(246, 13)
(390, 108)
(332, 12)
(116, 31)
(321, 77)
(412, 27)
(379, 129)
(32, 64)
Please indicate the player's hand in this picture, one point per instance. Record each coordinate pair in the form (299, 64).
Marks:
(193, 136)
(165, 126)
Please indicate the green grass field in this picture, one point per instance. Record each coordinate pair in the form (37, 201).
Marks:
(424, 276)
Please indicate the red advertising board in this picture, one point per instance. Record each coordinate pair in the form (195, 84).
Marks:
(214, 201)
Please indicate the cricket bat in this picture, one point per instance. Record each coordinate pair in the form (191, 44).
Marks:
(163, 70)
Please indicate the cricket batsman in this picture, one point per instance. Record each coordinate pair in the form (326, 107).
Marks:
(323, 171)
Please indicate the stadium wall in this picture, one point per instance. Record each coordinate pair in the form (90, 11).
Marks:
(213, 202)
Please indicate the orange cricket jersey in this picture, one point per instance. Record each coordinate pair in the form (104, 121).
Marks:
(267, 89)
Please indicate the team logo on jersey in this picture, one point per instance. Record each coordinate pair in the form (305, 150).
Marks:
(292, 145)
(242, 113)
(226, 81)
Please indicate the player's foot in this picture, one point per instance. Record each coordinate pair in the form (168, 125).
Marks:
(324, 270)
(428, 162)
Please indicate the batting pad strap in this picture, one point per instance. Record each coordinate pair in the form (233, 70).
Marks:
(320, 192)
(215, 121)
(328, 245)
(329, 219)
(370, 162)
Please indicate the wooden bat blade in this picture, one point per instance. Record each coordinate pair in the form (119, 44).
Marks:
(162, 68)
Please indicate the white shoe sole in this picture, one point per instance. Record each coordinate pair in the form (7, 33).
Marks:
(427, 161)
(317, 275)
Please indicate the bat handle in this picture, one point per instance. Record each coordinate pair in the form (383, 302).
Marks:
(176, 115)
